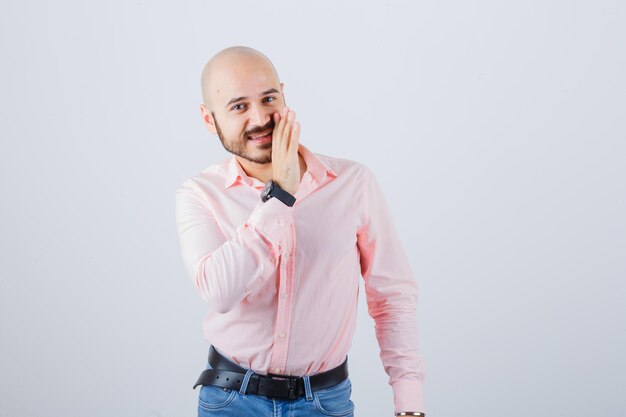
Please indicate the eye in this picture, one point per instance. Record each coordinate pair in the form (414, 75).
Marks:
(235, 106)
(273, 99)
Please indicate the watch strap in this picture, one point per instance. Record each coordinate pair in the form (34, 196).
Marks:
(272, 189)
(282, 195)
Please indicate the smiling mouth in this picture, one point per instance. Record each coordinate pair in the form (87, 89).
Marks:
(264, 136)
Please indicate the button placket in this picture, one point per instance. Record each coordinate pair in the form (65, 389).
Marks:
(283, 318)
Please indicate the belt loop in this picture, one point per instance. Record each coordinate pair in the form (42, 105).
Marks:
(307, 388)
(246, 379)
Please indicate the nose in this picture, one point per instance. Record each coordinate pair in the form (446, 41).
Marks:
(259, 116)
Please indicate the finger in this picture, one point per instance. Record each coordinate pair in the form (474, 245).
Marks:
(290, 128)
(291, 117)
(280, 141)
(295, 138)
(280, 130)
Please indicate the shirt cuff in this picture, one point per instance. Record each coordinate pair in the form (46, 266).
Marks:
(273, 219)
(408, 396)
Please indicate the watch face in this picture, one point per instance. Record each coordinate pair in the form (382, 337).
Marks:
(266, 191)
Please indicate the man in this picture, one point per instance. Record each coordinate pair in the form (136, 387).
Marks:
(275, 240)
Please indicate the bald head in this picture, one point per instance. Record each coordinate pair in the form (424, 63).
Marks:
(228, 64)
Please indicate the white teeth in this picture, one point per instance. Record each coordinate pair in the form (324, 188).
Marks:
(261, 135)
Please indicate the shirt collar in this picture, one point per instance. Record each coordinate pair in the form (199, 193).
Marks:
(315, 166)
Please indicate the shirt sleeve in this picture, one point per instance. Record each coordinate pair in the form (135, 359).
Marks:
(225, 271)
(391, 292)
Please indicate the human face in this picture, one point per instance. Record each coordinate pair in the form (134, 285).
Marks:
(240, 147)
(247, 110)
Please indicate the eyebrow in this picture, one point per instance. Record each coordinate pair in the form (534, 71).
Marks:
(264, 93)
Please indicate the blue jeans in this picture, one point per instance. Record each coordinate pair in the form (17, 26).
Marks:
(224, 402)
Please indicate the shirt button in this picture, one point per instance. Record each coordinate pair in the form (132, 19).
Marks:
(277, 370)
(280, 247)
(283, 296)
(280, 222)
(272, 258)
(282, 334)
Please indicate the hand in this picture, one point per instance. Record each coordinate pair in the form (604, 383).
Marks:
(285, 159)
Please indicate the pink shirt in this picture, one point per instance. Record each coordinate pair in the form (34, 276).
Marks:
(282, 282)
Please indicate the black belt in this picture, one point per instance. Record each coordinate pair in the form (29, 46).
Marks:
(227, 374)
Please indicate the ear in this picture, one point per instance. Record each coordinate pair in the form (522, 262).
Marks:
(207, 119)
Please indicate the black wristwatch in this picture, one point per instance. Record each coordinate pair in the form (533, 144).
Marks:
(273, 190)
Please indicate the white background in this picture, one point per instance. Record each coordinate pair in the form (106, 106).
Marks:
(497, 129)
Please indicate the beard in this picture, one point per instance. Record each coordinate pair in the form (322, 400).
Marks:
(262, 154)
